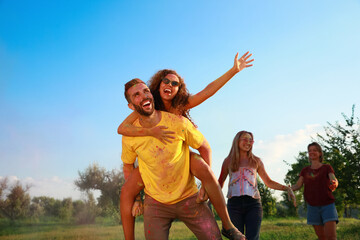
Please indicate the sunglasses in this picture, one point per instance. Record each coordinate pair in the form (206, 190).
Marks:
(247, 140)
(173, 83)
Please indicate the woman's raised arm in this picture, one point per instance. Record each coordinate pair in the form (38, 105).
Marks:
(213, 87)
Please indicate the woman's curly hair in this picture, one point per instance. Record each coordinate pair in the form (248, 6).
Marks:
(181, 99)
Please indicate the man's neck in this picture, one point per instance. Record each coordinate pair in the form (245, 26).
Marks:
(150, 121)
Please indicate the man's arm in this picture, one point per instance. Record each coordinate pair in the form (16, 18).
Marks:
(128, 157)
(127, 170)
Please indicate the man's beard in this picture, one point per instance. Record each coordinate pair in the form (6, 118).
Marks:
(141, 111)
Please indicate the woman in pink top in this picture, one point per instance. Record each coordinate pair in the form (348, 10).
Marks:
(244, 204)
(319, 181)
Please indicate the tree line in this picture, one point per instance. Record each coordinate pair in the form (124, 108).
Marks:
(16, 204)
(340, 143)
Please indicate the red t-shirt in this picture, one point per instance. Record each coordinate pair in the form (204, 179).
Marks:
(317, 182)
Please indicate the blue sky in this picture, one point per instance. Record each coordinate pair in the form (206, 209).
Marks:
(63, 65)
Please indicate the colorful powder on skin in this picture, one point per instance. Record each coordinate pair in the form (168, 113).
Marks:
(332, 177)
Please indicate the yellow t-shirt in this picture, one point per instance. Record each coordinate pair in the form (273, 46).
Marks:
(165, 169)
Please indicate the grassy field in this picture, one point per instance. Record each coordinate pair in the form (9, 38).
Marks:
(294, 229)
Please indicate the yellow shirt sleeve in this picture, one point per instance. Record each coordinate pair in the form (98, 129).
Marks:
(194, 137)
(128, 155)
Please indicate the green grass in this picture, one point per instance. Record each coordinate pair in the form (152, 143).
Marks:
(294, 229)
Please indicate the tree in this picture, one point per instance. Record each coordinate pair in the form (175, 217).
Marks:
(87, 211)
(267, 200)
(107, 182)
(66, 209)
(16, 203)
(341, 144)
(50, 205)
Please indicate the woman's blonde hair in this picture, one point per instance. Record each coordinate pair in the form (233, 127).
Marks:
(234, 154)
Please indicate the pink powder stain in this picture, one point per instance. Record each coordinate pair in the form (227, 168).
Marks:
(158, 151)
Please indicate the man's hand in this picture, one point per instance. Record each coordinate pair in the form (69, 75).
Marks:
(202, 196)
(137, 208)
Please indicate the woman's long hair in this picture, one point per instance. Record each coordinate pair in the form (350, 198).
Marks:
(180, 100)
(234, 154)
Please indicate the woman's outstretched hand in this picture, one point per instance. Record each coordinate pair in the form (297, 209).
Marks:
(241, 63)
(291, 195)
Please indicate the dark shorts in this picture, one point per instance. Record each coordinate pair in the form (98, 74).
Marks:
(319, 215)
(158, 218)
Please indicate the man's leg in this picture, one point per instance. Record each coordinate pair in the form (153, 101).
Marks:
(198, 218)
(157, 219)
(129, 191)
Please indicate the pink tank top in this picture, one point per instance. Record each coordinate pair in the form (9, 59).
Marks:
(243, 182)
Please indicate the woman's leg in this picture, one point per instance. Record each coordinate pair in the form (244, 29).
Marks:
(323, 219)
(330, 218)
(330, 230)
(253, 218)
(200, 169)
(237, 213)
(129, 191)
(319, 230)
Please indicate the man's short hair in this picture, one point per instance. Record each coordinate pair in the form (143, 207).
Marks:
(130, 84)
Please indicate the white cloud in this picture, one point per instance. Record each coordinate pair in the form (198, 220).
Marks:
(284, 147)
